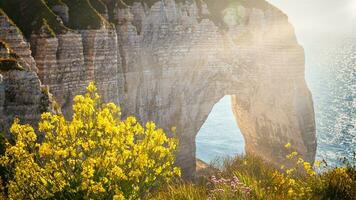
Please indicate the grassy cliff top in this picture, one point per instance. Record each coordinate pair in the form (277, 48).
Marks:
(98, 5)
(34, 16)
(31, 15)
(5, 46)
(82, 15)
(9, 64)
(51, 3)
(215, 7)
(126, 3)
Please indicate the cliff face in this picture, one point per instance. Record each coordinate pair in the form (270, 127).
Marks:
(178, 66)
(11, 35)
(171, 62)
(68, 62)
(21, 93)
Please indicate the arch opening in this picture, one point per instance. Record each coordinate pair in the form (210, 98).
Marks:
(220, 135)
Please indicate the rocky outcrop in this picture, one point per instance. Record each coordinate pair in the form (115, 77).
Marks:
(21, 96)
(171, 61)
(177, 65)
(12, 36)
(68, 62)
(21, 93)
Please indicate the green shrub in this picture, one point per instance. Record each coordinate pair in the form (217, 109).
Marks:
(181, 191)
(96, 155)
(51, 3)
(99, 6)
(249, 177)
(83, 16)
(31, 19)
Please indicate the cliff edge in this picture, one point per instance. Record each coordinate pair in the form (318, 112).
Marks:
(170, 61)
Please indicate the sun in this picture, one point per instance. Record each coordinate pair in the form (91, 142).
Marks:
(352, 7)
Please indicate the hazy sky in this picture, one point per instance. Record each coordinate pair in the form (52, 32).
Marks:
(320, 18)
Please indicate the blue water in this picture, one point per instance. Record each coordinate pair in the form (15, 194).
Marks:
(331, 76)
(220, 135)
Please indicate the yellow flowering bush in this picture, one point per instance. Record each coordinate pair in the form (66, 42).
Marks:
(96, 155)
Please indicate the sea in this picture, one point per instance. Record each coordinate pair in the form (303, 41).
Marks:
(331, 77)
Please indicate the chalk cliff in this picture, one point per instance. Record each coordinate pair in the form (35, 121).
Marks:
(21, 93)
(170, 61)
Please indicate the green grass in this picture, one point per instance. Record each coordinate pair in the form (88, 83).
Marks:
(34, 15)
(99, 6)
(12, 55)
(51, 3)
(266, 182)
(9, 64)
(127, 3)
(215, 7)
(181, 191)
(83, 16)
(3, 45)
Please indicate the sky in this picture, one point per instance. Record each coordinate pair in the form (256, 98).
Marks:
(315, 19)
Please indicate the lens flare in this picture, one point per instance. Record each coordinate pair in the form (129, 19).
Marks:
(352, 8)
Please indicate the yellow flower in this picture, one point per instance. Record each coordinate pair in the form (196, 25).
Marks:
(317, 164)
(91, 88)
(292, 155)
(118, 197)
(45, 149)
(291, 181)
(300, 161)
(288, 145)
(290, 171)
(93, 153)
(290, 192)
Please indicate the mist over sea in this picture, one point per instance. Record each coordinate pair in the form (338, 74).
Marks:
(331, 77)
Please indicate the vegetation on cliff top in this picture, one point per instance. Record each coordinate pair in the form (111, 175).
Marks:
(82, 15)
(31, 15)
(9, 64)
(36, 15)
(10, 61)
(216, 8)
(99, 6)
(51, 3)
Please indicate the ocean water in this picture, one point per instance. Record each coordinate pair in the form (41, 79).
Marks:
(331, 77)
(219, 136)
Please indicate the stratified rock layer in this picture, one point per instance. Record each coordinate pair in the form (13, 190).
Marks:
(21, 97)
(68, 62)
(11, 35)
(176, 66)
(171, 62)
(21, 93)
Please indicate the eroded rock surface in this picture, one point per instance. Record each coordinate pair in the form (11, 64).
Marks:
(176, 66)
(171, 62)
(12, 36)
(21, 95)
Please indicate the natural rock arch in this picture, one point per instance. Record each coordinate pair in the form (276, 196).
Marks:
(178, 67)
(179, 64)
